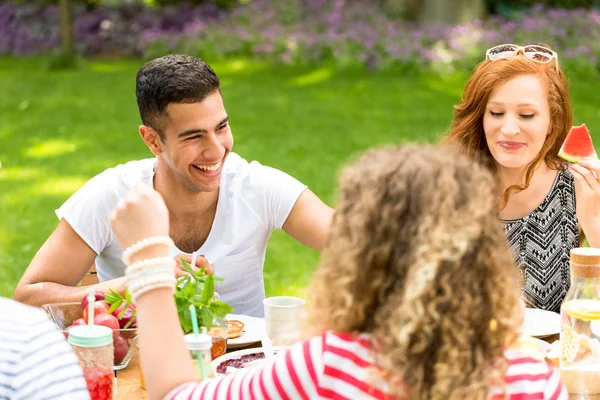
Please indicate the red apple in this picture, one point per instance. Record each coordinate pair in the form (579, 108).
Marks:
(66, 331)
(99, 296)
(78, 322)
(110, 321)
(121, 349)
(100, 307)
(127, 316)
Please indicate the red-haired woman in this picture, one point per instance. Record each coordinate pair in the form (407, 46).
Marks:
(514, 115)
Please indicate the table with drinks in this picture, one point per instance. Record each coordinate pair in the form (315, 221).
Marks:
(576, 356)
(282, 316)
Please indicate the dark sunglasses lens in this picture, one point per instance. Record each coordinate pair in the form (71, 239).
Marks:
(538, 53)
(504, 51)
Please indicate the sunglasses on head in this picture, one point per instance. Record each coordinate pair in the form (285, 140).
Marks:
(539, 54)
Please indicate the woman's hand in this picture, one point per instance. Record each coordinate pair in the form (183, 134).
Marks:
(141, 214)
(587, 196)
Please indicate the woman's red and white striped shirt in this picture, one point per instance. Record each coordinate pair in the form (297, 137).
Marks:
(336, 366)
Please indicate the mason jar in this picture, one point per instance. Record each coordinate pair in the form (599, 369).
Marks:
(93, 346)
(199, 346)
(219, 334)
(580, 324)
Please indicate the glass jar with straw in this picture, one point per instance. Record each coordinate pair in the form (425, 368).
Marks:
(199, 345)
(580, 325)
(93, 345)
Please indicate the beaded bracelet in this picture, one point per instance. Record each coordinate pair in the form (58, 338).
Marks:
(151, 262)
(143, 286)
(144, 243)
(133, 276)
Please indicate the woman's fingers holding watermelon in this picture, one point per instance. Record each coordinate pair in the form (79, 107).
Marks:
(586, 175)
(592, 164)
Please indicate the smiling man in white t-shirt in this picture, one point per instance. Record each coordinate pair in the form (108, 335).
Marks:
(220, 205)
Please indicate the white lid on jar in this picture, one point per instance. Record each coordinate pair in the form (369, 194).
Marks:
(201, 341)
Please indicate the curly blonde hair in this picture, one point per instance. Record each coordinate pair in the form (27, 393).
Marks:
(417, 259)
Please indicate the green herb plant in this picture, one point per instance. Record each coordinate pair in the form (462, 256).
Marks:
(114, 300)
(198, 290)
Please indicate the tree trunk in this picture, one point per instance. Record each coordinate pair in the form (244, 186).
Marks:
(406, 9)
(66, 28)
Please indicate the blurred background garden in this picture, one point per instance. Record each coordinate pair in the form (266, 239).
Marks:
(307, 83)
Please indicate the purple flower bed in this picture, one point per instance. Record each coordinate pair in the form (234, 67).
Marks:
(343, 31)
(29, 29)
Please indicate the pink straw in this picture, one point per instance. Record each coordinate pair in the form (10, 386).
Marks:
(194, 256)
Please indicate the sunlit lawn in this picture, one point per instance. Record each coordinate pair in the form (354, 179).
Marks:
(58, 129)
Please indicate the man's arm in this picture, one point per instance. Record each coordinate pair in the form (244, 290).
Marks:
(58, 267)
(309, 221)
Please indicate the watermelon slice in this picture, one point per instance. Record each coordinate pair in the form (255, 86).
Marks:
(577, 145)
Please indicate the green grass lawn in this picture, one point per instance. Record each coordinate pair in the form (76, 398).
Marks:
(58, 129)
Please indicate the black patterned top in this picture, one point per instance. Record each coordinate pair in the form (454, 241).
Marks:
(541, 243)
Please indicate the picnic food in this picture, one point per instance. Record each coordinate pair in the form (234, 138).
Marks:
(122, 308)
(109, 321)
(577, 145)
(234, 328)
(98, 296)
(125, 315)
(530, 346)
(247, 360)
(100, 307)
(121, 349)
(119, 316)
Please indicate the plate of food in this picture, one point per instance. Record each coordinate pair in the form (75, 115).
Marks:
(244, 330)
(540, 323)
(241, 359)
(533, 347)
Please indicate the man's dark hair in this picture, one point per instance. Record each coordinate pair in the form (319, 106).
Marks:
(175, 78)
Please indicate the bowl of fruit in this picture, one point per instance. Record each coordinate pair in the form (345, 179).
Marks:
(110, 310)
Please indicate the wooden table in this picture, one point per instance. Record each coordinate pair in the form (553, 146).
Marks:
(128, 381)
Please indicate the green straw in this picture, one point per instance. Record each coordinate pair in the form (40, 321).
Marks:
(196, 332)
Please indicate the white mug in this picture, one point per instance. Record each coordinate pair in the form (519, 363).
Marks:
(283, 315)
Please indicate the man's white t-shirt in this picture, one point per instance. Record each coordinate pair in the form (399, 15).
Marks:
(254, 200)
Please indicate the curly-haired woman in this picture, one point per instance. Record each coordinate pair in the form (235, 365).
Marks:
(414, 297)
(514, 115)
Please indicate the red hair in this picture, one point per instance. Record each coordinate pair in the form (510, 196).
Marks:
(467, 127)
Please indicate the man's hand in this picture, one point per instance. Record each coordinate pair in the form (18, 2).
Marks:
(201, 262)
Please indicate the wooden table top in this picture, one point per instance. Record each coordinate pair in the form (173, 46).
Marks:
(128, 381)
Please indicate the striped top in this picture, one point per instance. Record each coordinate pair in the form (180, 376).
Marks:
(337, 366)
(36, 362)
